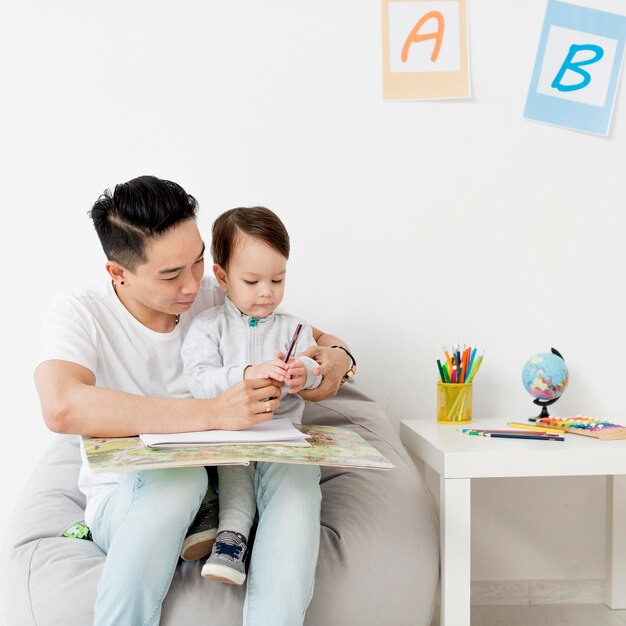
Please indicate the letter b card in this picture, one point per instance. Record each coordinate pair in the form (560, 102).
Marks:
(577, 68)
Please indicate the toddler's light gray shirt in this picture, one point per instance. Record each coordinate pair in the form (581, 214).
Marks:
(222, 341)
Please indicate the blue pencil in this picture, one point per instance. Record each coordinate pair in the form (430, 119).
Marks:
(471, 360)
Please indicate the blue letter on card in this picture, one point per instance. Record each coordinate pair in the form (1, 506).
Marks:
(568, 64)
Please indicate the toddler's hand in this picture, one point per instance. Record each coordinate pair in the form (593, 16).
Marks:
(296, 375)
(274, 369)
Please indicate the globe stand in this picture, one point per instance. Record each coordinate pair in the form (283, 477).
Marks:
(544, 404)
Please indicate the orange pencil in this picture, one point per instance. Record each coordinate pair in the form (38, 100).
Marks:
(448, 359)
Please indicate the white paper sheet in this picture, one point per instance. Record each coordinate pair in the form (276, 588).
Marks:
(274, 431)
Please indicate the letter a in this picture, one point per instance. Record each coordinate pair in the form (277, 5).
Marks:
(568, 64)
(415, 38)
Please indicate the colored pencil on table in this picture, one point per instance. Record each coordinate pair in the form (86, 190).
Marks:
(509, 435)
(520, 436)
(529, 433)
(532, 427)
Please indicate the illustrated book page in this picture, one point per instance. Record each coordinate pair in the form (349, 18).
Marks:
(329, 445)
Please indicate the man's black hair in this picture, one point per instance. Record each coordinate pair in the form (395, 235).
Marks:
(136, 211)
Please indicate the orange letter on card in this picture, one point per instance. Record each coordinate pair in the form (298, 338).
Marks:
(415, 38)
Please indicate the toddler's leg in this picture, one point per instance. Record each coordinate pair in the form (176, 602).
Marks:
(227, 562)
(237, 501)
(141, 527)
(284, 558)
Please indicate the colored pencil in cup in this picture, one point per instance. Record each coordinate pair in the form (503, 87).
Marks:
(441, 372)
(459, 366)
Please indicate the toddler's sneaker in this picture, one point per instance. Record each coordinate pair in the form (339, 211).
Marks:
(227, 563)
(201, 534)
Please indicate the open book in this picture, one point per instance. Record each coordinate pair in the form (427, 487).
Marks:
(274, 431)
(329, 445)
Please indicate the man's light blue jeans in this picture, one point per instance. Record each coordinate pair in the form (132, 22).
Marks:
(142, 524)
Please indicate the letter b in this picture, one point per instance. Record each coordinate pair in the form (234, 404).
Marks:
(569, 64)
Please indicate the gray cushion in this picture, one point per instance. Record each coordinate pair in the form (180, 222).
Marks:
(378, 561)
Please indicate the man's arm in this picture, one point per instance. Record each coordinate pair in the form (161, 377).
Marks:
(333, 364)
(72, 404)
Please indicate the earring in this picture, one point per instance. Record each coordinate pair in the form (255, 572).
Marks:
(121, 282)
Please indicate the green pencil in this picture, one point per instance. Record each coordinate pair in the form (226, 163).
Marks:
(441, 374)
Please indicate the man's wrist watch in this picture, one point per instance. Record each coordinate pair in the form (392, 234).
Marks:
(352, 371)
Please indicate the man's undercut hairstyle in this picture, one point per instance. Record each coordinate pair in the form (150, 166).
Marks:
(257, 222)
(136, 211)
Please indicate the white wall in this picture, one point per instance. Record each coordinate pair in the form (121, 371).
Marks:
(414, 224)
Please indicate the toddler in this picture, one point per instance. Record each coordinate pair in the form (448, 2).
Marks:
(245, 338)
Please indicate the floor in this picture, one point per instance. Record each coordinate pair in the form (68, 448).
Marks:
(545, 615)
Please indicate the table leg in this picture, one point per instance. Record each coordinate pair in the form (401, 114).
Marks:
(455, 510)
(615, 585)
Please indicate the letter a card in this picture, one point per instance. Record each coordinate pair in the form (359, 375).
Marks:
(577, 68)
(425, 49)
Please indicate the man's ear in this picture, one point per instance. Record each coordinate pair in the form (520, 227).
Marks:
(220, 274)
(117, 273)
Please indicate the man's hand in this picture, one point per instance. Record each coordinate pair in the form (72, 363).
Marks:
(248, 403)
(333, 364)
(72, 404)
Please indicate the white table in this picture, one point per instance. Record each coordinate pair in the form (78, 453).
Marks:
(458, 458)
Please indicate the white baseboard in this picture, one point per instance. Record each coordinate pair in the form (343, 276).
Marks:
(525, 592)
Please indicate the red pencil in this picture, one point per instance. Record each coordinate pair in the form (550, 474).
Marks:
(292, 345)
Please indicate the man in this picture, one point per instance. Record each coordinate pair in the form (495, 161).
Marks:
(110, 366)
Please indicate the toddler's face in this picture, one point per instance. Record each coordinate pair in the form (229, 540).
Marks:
(255, 280)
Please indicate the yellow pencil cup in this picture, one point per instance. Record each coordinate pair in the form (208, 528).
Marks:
(454, 403)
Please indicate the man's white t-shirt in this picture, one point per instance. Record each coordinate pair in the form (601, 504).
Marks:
(91, 327)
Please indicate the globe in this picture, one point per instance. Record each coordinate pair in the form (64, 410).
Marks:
(545, 377)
